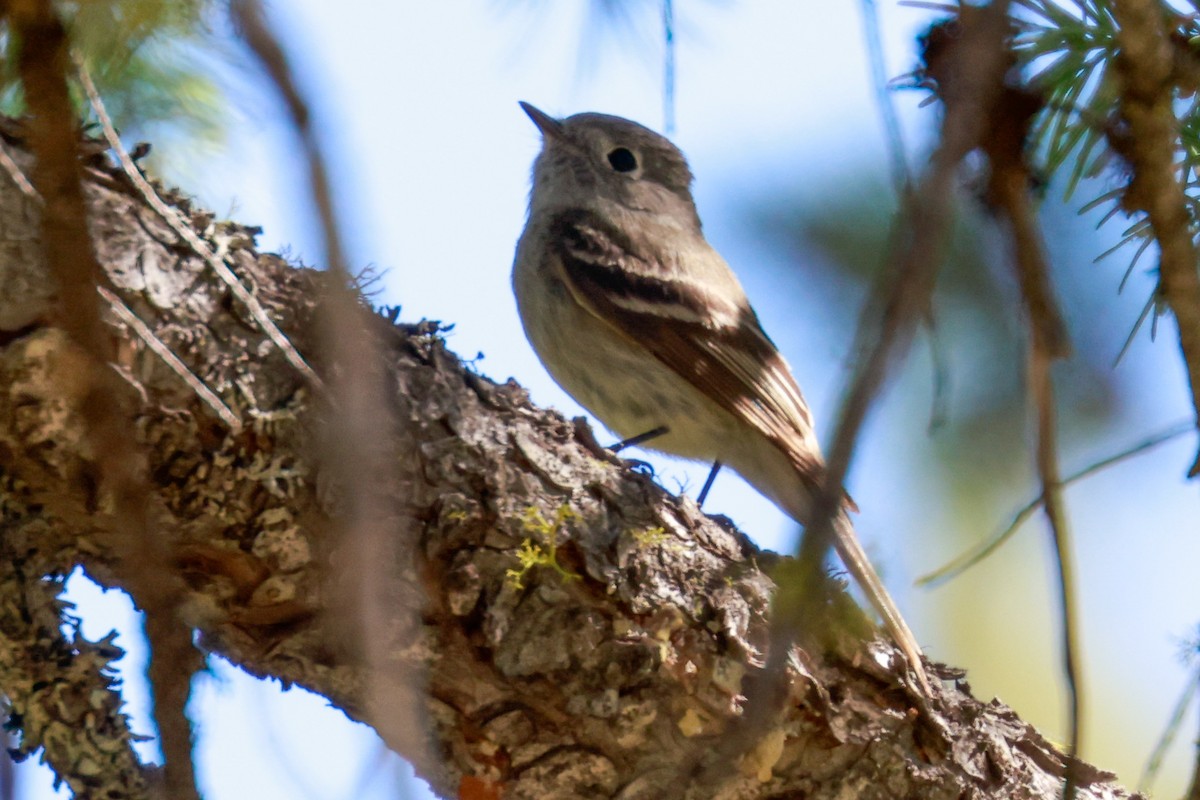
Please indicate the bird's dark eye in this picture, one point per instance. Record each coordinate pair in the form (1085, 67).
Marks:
(622, 160)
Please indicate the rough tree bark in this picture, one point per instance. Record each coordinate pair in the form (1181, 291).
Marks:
(611, 673)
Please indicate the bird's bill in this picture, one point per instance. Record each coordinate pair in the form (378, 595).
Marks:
(548, 125)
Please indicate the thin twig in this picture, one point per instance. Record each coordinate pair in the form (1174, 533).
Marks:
(668, 17)
(1009, 192)
(1152, 147)
(939, 405)
(208, 396)
(18, 177)
(974, 556)
(1041, 389)
(898, 160)
(1154, 762)
(185, 232)
(902, 186)
(1193, 792)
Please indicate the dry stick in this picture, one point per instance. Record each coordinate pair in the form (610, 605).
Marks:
(18, 177)
(142, 549)
(1152, 146)
(208, 396)
(363, 447)
(185, 232)
(123, 312)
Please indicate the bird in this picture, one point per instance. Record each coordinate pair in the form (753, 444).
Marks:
(638, 318)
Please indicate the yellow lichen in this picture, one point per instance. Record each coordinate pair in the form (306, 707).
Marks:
(532, 555)
(760, 761)
(690, 724)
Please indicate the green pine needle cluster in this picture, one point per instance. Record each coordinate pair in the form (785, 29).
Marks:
(1068, 49)
(153, 61)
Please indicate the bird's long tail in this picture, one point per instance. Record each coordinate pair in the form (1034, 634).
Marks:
(856, 561)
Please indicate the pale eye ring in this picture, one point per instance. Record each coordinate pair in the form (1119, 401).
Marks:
(622, 159)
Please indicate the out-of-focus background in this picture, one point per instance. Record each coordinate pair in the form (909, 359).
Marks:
(777, 112)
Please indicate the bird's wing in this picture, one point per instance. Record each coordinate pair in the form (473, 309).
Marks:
(714, 342)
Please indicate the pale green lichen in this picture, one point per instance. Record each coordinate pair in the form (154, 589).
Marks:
(650, 537)
(657, 536)
(278, 474)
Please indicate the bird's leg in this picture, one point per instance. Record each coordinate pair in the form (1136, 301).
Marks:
(708, 482)
(653, 433)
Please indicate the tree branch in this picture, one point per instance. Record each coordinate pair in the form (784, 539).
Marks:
(1145, 65)
(598, 686)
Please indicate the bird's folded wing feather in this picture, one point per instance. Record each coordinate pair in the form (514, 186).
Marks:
(714, 342)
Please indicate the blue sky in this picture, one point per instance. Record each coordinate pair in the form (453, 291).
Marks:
(418, 105)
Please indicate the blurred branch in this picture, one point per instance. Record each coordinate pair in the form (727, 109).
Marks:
(969, 71)
(902, 185)
(118, 466)
(1145, 64)
(968, 64)
(362, 436)
(968, 67)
